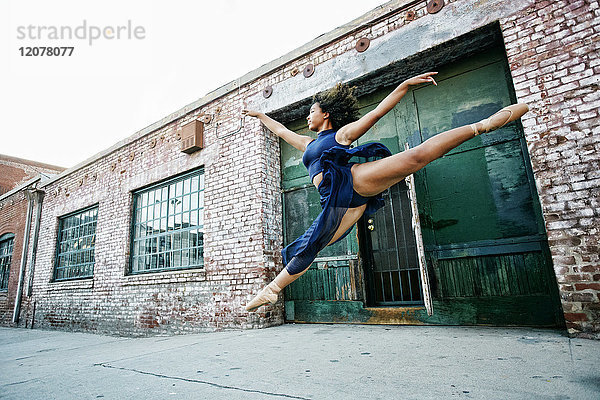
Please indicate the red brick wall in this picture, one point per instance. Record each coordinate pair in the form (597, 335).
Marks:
(13, 213)
(11, 177)
(15, 171)
(553, 49)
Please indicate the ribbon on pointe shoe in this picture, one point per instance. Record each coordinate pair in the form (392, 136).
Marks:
(498, 120)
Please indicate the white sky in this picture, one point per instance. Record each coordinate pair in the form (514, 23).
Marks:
(63, 110)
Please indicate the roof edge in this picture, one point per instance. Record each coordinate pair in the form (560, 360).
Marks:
(31, 163)
(22, 186)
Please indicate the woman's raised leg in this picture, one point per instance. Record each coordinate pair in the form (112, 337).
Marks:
(374, 177)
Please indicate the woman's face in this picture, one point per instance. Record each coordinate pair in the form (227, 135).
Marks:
(316, 118)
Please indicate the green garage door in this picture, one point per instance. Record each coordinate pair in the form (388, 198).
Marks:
(487, 256)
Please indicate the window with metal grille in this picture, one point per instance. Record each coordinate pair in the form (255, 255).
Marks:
(6, 250)
(168, 225)
(76, 244)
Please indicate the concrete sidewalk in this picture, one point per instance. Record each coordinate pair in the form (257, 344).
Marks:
(302, 362)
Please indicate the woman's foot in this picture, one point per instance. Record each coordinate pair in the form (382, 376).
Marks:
(499, 119)
(268, 295)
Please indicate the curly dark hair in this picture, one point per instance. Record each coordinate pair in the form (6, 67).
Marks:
(340, 103)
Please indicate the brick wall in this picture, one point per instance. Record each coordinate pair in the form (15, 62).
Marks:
(552, 70)
(11, 177)
(178, 301)
(553, 49)
(15, 171)
(13, 213)
(241, 198)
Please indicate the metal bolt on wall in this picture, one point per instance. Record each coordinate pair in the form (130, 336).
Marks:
(435, 6)
(362, 44)
(309, 70)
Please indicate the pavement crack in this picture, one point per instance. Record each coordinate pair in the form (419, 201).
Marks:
(288, 396)
(571, 354)
(20, 382)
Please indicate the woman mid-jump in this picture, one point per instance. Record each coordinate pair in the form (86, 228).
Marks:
(349, 190)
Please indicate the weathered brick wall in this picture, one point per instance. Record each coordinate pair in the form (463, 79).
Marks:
(11, 176)
(178, 301)
(553, 49)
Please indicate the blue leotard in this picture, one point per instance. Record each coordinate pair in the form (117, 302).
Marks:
(336, 192)
(312, 160)
(312, 156)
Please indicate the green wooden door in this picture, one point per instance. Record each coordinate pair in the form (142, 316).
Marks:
(486, 249)
(388, 247)
(482, 228)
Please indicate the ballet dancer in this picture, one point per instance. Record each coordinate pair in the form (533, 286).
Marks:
(349, 190)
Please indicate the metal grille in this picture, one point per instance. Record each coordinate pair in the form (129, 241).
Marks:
(396, 275)
(6, 250)
(168, 225)
(76, 244)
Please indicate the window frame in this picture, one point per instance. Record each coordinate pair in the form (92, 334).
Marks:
(58, 252)
(166, 184)
(7, 237)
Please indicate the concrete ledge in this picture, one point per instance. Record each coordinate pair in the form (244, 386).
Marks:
(455, 19)
(84, 283)
(166, 277)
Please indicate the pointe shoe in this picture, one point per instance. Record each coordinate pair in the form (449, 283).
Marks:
(268, 295)
(501, 118)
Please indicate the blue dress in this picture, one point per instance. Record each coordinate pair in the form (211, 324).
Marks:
(336, 192)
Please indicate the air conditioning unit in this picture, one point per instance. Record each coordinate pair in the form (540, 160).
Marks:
(192, 137)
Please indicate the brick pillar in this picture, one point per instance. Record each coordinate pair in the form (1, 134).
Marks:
(553, 49)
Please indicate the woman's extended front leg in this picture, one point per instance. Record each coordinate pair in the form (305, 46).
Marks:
(374, 177)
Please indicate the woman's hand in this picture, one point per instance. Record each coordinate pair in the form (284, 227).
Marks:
(250, 113)
(420, 79)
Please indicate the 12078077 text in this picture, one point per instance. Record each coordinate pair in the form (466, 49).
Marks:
(46, 51)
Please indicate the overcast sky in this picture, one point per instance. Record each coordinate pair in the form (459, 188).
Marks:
(63, 110)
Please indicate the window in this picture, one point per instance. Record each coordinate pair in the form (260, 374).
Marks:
(6, 250)
(168, 225)
(76, 244)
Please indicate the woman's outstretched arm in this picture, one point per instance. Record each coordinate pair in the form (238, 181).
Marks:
(298, 141)
(349, 133)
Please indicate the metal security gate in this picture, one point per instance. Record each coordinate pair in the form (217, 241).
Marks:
(391, 262)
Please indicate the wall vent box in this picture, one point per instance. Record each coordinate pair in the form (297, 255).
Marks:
(192, 137)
